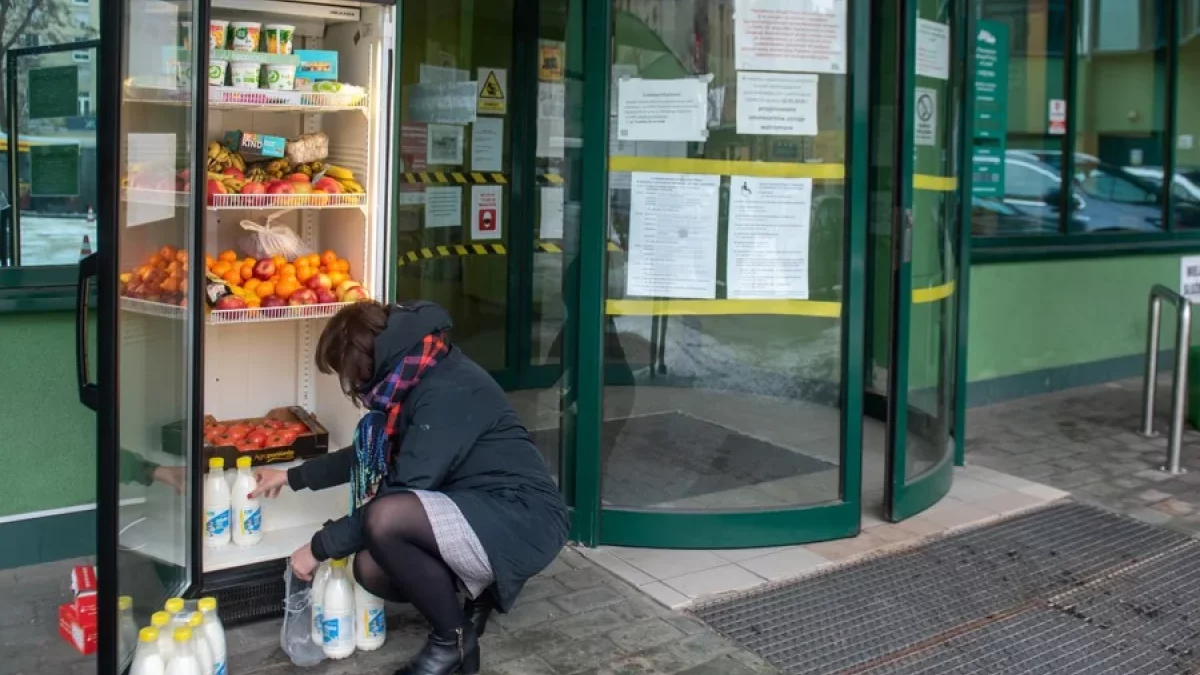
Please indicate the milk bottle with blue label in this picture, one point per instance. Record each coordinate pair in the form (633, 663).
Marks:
(370, 624)
(247, 511)
(200, 643)
(337, 618)
(214, 630)
(318, 602)
(216, 505)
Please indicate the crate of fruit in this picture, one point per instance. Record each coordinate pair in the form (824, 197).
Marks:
(282, 435)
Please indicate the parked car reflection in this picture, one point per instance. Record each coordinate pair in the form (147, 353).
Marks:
(1107, 198)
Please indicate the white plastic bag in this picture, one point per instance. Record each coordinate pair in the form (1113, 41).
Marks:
(296, 634)
(264, 241)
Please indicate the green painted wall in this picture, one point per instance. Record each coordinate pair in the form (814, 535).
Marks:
(1035, 316)
(47, 438)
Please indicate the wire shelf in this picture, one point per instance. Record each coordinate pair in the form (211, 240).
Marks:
(287, 201)
(229, 316)
(261, 100)
(156, 197)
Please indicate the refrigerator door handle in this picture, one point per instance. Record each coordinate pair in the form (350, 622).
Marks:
(89, 393)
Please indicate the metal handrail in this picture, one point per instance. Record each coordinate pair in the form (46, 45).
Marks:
(1183, 333)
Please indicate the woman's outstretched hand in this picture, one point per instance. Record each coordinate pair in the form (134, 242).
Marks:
(270, 482)
(303, 563)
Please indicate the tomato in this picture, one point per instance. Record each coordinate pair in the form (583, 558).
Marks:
(288, 437)
(223, 439)
(277, 441)
(273, 423)
(247, 446)
(258, 437)
(238, 431)
(296, 427)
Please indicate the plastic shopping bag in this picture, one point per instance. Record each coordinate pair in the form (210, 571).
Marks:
(296, 635)
(265, 241)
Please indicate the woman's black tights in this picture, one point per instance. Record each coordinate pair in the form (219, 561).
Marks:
(402, 563)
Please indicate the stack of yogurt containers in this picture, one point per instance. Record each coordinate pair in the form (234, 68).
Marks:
(247, 37)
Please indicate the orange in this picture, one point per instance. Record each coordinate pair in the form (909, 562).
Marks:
(221, 268)
(247, 271)
(183, 285)
(286, 287)
(336, 278)
(264, 289)
(288, 270)
(228, 256)
(251, 284)
(328, 258)
(181, 256)
(167, 252)
(156, 260)
(232, 277)
(174, 269)
(341, 265)
(170, 285)
(314, 260)
(279, 261)
(253, 301)
(304, 273)
(208, 261)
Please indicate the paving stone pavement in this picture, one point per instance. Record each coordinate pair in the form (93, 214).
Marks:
(1086, 441)
(574, 619)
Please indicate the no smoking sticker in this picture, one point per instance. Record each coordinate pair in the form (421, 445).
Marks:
(925, 116)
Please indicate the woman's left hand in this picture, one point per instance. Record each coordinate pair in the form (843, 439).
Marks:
(303, 563)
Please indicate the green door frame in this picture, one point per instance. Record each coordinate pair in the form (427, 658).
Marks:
(592, 524)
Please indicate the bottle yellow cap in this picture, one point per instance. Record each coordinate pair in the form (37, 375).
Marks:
(216, 463)
(243, 462)
(160, 619)
(195, 619)
(183, 634)
(339, 562)
(208, 604)
(124, 603)
(174, 605)
(147, 634)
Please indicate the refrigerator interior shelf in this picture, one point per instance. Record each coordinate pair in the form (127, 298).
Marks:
(155, 197)
(228, 316)
(275, 545)
(258, 100)
(287, 201)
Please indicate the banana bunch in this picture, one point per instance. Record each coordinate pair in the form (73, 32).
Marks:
(346, 178)
(232, 184)
(221, 158)
(256, 174)
(276, 168)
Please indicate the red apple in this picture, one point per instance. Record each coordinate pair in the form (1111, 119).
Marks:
(355, 294)
(273, 301)
(234, 171)
(319, 281)
(325, 296)
(329, 185)
(230, 302)
(304, 296)
(254, 188)
(215, 188)
(345, 286)
(264, 269)
(280, 187)
(299, 178)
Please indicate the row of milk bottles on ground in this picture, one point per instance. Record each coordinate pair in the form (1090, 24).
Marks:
(177, 642)
(345, 617)
(231, 514)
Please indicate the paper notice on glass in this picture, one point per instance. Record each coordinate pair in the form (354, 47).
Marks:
(443, 206)
(663, 110)
(487, 144)
(925, 116)
(620, 71)
(487, 208)
(779, 104)
(431, 74)
(673, 223)
(767, 253)
(933, 49)
(442, 102)
(551, 123)
(445, 145)
(790, 35)
(553, 200)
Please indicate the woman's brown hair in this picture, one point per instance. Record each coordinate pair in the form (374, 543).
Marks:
(347, 345)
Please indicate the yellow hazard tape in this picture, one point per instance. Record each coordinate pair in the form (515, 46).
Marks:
(470, 178)
(730, 167)
(922, 181)
(818, 308)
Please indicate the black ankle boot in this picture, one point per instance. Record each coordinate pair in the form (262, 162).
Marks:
(454, 654)
(477, 612)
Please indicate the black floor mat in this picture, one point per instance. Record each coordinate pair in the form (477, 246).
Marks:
(1063, 590)
(665, 457)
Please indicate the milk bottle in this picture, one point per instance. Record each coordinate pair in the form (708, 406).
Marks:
(247, 512)
(200, 643)
(175, 607)
(216, 505)
(128, 634)
(147, 660)
(370, 625)
(161, 621)
(317, 595)
(184, 661)
(337, 616)
(214, 630)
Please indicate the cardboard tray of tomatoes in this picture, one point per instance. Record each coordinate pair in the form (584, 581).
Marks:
(282, 435)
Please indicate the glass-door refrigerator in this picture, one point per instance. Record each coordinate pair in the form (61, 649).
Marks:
(244, 151)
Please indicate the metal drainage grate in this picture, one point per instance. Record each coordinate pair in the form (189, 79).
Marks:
(1015, 596)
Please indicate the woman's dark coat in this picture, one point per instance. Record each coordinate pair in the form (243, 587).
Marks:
(457, 435)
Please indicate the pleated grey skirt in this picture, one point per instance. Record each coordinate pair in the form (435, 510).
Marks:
(457, 542)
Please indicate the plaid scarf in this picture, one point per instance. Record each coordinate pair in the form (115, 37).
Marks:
(372, 448)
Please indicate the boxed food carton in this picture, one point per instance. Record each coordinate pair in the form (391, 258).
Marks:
(311, 438)
(255, 146)
(317, 64)
(78, 630)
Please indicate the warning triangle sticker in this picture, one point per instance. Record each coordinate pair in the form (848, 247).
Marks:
(491, 87)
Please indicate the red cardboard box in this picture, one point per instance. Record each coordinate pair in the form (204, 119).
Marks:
(83, 585)
(79, 631)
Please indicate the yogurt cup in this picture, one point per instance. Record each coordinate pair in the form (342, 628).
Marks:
(279, 38)
(218, 34)
(244, 36)
(216, 72)
(244, 74)
(281, 77)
